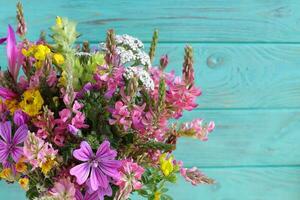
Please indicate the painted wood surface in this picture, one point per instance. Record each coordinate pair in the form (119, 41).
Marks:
(178, 20)
(247, 57)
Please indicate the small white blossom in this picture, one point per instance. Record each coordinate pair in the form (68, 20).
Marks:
(143, 58)
(129, 42)
(142, 74)
(125, 55)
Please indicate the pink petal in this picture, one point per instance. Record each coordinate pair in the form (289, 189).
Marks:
(84, 153)
(104, 148)
(81, 172)
(5, 131)
(16, 153)
(20, 134)
(2, 40)
(98, 179)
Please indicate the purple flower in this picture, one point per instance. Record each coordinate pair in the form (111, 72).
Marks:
(100, 167)
(8, 145)
(20, 118)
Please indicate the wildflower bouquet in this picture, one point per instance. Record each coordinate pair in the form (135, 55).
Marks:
(93, 123)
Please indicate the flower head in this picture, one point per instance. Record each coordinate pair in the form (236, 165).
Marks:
(32, 102)
(24, 183)
(63, 189)
(166, 164)
(99, 167)
(9, 146)
(131, 174)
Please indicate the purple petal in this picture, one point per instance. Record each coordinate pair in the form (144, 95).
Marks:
(91, 196)
(84, 153)
(3, 152)
(16, 153)
(104, 151)
(72, 129)
(5, 131)
(98, 179)
(20, 134)
(110, 168)
(2, 40)
(81, 172)
(12, 53)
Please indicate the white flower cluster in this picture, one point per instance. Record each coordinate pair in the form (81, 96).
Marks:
(125, 55)
(128, 41)
(130, 50)
(142, 74)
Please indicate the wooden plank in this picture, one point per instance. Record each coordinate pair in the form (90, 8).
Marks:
(177, 20)
(232, 184)
(244, 138)
(245, 184)
(239, 75)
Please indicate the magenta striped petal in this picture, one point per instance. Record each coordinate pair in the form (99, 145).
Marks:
(3, 155)
(5, 131)
(98, 179)
(81, 172)
(84, 153)
(16, 153)
(20, 134)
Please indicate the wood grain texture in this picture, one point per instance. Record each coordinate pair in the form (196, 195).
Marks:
(238, 75)
(177, 20)
(244, 138)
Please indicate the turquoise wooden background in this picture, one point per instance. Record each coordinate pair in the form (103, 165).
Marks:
(247, 55)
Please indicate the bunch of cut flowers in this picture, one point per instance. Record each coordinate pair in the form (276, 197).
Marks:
(83, 122)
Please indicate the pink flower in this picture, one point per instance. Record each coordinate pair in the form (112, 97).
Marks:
(70, 122)
(131, 174)
(7, 93)
(45, 124)
(37, 151)
(201, 131)
(137, 116)
(120, 115)
(112, 79)
(63, 189)
(194, 176)
(97, 169)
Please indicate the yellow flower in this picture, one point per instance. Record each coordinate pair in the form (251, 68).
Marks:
(7, 174)
(58, 21)
(21, 167)
(157, 195)
(62, 82)
(12, 105)
(166, 164)
(32, 102)
(58, 59)
(41, 52)
(48, 165)
(28, 52)
(24, 183)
